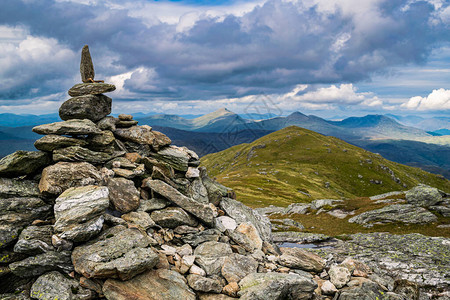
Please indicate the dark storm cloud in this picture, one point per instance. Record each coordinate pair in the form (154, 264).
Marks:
(270, 49)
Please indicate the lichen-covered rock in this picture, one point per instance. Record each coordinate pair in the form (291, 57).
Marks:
(52, 142)
(80, 154)
(202, 211)
(207, 235)
(339, 276)
(69, 127)
(152, 285)
(177, 157)
(42, 263)
(102, 141)
(236, 267)
(63, 175)
(23, 163)
(276, 286)
(423, 195)
(123, 194)
(82, 89)
(143, 135)
(10, 188)
(91, 107)
(405, 213)
(34, 240)
(140, 218)
(152, 204)
(368, 290)
(242, 213)
(301, 259)
(172, 217)
(117, 253)
(54, 285)
(204, 284)
(210, 256)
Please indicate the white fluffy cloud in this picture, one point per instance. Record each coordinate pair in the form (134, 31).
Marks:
(437, 100)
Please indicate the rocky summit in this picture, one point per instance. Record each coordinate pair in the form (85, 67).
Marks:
(110, 209)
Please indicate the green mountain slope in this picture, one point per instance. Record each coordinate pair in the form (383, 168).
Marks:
(299, 165)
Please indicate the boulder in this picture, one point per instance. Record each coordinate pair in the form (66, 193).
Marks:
(80, 154)
(298, 258)
(203, 284)
(224, 223)
(118, 252)
(276, 286)
(69, 127)
(10, 188)
(328, 288)
(107, 123)
(405, 213)
(35, 240)
(202, 211)
(242, 213)
(54, 285)
(52, 142)
(91, 107)
(82, 89)
(23, 163)
(57, 178)
(42, 263)
(236, 267)
(339, 276)
(123, 194)
(152, 285)
(176, 157)
(172, 217)
(251, 233)
(210, 256)
(143, 135)
(423, 195)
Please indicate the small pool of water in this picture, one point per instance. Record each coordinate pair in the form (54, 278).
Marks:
(306, 246)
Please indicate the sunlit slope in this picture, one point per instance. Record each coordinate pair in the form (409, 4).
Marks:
(299, 165)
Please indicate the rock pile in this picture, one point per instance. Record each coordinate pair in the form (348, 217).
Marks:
(109, 209)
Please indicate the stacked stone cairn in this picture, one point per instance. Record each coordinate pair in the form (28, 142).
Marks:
(109, 209)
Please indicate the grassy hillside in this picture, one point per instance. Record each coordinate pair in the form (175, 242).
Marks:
(299, 165)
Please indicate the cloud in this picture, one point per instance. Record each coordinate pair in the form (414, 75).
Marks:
(166, 51)
(438, 100)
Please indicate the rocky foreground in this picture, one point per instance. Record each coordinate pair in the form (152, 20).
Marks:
(109, 209)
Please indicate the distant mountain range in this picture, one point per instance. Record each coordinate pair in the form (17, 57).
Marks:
(428, 124)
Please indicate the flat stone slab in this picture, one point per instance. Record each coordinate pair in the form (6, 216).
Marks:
(51, 142)
(143, 135)
(69, 127)
(82, 89)
(23, 163)
(42, 263)
(92, 107)
(81, 154)
(119, 252)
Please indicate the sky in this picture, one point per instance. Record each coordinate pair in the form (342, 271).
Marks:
(323, 57)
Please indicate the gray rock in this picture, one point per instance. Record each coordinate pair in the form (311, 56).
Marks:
(172, 217)
(317, 204)
(23, 163)
(197, 191)
(91, 107)
(107, 123)
(215, 190)
(140, 218)
(101, 142)
(153, 204)
(441, 209)
(210, 256)
(177, 157)
(69, 127)
(339, 276)
(298, 258)
(54, 285)
(298, 208)
(203, 284)
(35, 240)
(82, 89)
(42, 263)
(207, 235)
(143, 135)
(224, 223)
(123, 194)
(406, 213)
(80, 154)
(118, 253)
(78, 211)
(286, 224)
(152, 285)
(236, 267)
(276, 286)
(367, 291)
(86, 65)
(63, 175)
(423, 195)
(52, 142)
(10, 188)
(299, 237)
(242, 213)
(201, 211)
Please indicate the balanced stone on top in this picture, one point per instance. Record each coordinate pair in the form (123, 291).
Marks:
(86, 65)
(82, 89)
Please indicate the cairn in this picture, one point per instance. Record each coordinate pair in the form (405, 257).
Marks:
(110, 209)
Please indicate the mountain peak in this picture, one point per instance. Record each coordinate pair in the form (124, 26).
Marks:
(218, 114)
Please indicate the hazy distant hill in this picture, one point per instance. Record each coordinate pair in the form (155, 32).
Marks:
(428, 124)
(295, 164)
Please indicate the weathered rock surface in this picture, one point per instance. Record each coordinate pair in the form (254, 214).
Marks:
(80, 154)
(423, 195)
(10, 188)
(118, 253)
(23, 163)
(172, 217)
(301, 259)
(270, 286)
(54, 285)
(224, 223)
(204, 284)
(123, 194)
(152, 285)
(339, 276)
(35, 240)
(42, 263)
(52, 142)
(59, 177)
(140, 218)
(143, 135)
(69, 127)
(86, 65)
(406, 213)
(91, 107)
(236, 267)
(82, 89)
(201, 211)
(177, 157)
(211, 256)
